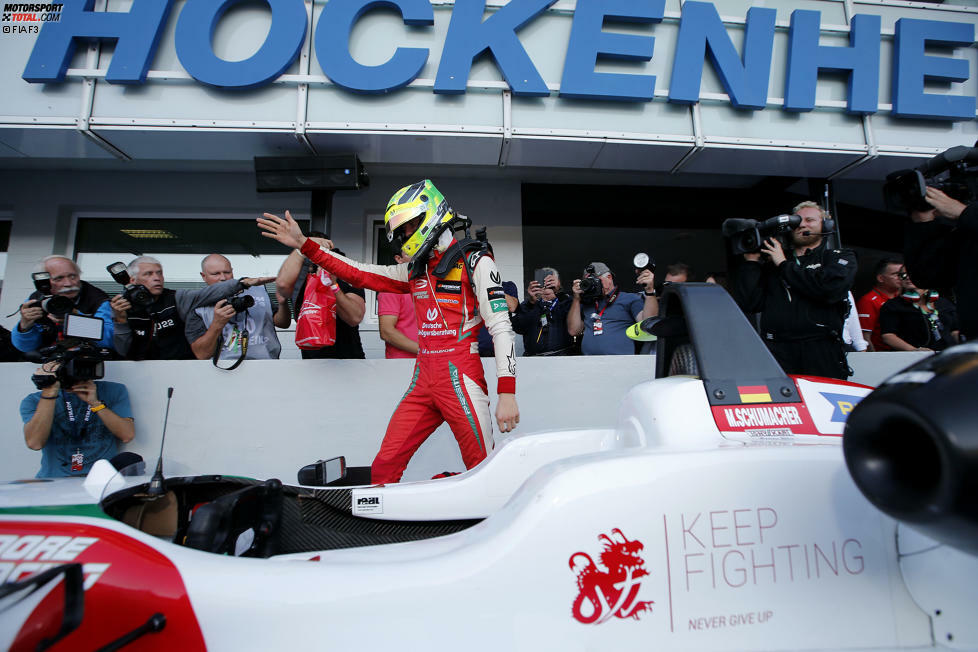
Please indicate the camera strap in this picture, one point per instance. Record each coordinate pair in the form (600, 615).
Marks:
(220, 347)
(79, 430)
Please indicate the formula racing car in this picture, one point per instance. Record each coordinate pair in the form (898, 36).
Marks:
(731, 507)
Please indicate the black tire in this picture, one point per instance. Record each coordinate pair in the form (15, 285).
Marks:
(684, 362)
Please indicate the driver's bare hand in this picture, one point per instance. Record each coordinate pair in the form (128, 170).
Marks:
(507, 413)
(285, 230)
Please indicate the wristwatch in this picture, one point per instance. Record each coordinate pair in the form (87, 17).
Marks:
(650, 294)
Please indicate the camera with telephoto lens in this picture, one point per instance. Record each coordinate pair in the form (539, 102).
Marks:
(56, 305)
(241, 302)
(747, 236)
(78, 358)
(591, 287)
(954, 172)
(137, 295)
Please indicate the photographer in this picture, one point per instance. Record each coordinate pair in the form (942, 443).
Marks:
(223, 323)
(941, 250)
(39, 328)
(154, 330)
(76, 426)
(801, 295)
(614, 311)
(542, 317)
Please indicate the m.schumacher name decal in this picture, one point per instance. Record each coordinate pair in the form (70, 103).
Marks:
(762, 421)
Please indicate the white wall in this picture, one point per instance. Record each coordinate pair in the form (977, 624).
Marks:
(270, 417)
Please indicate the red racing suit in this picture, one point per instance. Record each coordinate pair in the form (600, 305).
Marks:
(448, 382)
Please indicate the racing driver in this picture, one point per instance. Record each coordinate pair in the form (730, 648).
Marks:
(456, 287)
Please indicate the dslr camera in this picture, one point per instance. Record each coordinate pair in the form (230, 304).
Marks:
(746, 236)
(56, 305)
(954, 172)
(591, 288)
(137, 295)
(79, 358)
(241, 302)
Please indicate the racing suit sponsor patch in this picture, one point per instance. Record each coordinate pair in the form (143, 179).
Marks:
(449, 287)
(498, 305)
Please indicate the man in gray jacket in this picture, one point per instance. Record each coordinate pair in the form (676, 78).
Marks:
(250, 332)
(155, 330)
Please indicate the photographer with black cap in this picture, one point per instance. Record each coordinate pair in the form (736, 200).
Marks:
(74, 421)
(802, 295)
(60, 291)
(602, 313)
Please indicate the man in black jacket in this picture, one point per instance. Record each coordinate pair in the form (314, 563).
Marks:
(156, 331)
(943, 253)
(802, 297)
(542, 317)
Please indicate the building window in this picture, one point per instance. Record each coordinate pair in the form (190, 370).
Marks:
(178, 243)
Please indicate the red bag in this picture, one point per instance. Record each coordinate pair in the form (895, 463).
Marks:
(316, 325)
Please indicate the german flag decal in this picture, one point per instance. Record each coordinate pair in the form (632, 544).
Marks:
(754, 394)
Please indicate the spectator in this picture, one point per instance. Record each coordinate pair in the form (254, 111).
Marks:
(398, 325)
(889, 275)
(512, 295)
(852, 333)
(919, 320)
(209, 326)
(802, 301)
(156, 331)
(604, 327)
(718, 278)
(37, 330)
(542, 317)
(350, 305)
(75, 427)
(677, 272)
(944, 253)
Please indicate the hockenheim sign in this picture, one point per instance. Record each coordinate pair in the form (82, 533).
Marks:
(702, 34)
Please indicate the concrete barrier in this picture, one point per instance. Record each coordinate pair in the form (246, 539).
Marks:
(269, 417)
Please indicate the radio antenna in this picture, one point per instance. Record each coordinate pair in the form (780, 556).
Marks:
(156, 483)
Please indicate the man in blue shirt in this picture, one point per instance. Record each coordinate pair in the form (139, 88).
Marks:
(37, 330)
(74, 427)
(604, 319)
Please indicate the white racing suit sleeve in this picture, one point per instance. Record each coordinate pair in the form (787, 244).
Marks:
(495, 313)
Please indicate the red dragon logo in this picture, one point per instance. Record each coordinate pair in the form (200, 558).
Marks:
(606, 593)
